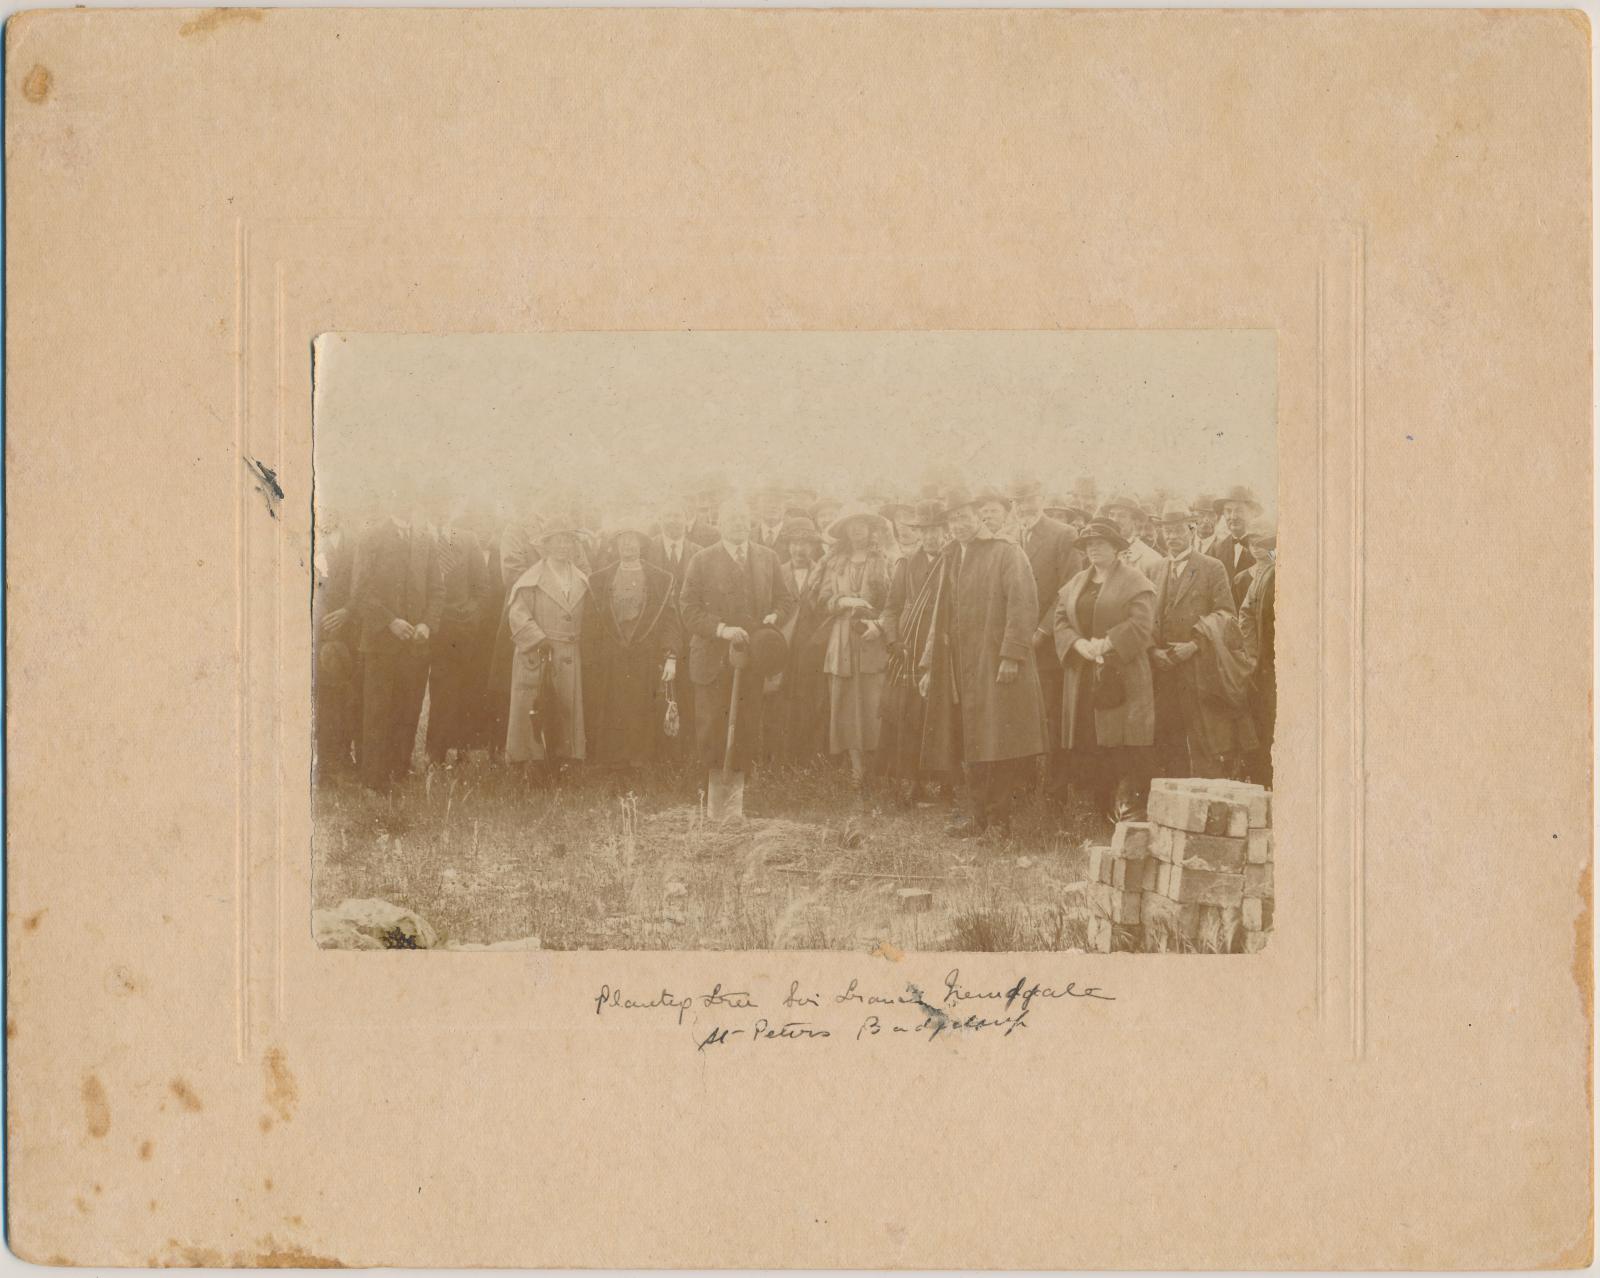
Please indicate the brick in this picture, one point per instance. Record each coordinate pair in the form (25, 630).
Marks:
(1125, 908)
(1099, 935)
(1258, 846)
(1131, 839)
(1260, 806)
(1179, 810)
(1227, 818)
(1100, 899)
(1191, 885)
(1255, 942)
(1212, 852)
(1099, 865)
(1128, 873)
(1258, 880)
(1257, 914)
(1148, 879)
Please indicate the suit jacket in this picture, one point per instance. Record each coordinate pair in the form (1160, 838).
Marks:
(397, 574)
(1183, 598)
(466, 583)
(1054, 556)
(703, 534)
(1236, 558)
(655, 554)
(714, 595)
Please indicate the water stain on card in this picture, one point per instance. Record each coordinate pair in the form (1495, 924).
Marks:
(211, 19)
(282, 1090)
(36, 85)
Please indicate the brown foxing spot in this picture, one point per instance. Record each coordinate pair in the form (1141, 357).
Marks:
(36, 84)
(186, 1095)
(96, 1109)
(31, 923)
(146, 1149)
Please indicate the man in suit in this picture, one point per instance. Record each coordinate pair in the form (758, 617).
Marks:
(1236, 509)
(454, 681)
(768, 530)
(671, 549)
(1189, 587)
(1055, 559)
(398, 596)
(797, 712)
(730, 589)
(1204, 511)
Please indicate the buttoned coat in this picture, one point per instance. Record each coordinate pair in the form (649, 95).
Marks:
(1125, 614)
(988, 609)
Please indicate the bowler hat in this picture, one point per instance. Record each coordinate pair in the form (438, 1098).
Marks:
(956, 498)
(1175, 512)
(929, 513)
(334, 663)
(897, 512)
(1204, 504)
(769, 651)
(1238, 495)
(1022, 487)
(1103, 530)
(988, 492)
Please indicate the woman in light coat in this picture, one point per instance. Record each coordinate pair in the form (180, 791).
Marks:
(856, 588)
(546, 612)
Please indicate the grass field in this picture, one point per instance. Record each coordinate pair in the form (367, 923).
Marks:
(594, 864)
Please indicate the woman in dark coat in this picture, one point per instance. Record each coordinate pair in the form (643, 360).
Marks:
(1104, 622)
(633, 644)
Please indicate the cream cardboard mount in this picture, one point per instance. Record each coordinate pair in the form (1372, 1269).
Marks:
(1402, 1079)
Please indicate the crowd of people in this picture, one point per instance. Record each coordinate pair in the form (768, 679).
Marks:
(975, 642)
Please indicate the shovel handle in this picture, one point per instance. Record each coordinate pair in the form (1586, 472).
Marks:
(733, 718)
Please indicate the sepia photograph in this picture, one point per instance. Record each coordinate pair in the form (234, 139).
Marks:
(934, 641)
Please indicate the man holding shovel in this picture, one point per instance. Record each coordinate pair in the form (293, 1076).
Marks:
(731, 589)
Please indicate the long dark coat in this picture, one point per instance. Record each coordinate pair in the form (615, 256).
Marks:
(988, 609)
(623, 680)
(1125, 614)
(1198, 590)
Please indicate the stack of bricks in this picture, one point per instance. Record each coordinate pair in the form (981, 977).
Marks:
(1192, 876)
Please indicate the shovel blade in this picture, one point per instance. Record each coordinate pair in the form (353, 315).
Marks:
(724, 795)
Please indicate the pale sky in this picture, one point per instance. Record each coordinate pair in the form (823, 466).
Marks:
(627, 418)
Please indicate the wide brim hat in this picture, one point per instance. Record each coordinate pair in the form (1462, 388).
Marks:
(1239, 495)
(1103, 530)
(988, 492)
(1204, 504)
(1175, 512)
(875, 521)
(898, 512)
(1059, 505)
(769, 651)
(929, 513)
(625, 526)
(560, 528)
(1022, 487)
(1263, 530)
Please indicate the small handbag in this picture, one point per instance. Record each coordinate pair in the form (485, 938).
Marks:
(1109, 689)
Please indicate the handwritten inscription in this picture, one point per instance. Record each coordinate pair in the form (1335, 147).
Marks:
(795, 1016)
